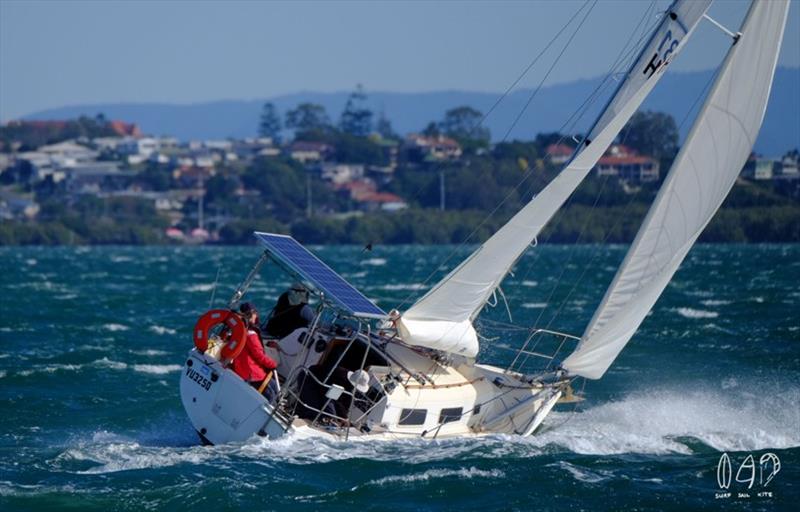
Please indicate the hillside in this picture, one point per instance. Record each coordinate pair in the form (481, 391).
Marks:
(412, 111)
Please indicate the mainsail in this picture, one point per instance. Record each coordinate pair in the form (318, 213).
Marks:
(703, 173)
(442, 319)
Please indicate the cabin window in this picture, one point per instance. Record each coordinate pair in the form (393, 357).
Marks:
(413, 416)
(450, 415)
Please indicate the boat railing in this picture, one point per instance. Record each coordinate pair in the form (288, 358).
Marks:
(540, 351)
(340, 422)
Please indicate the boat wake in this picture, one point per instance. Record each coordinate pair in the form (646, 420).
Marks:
(670, 421)
(677, 421)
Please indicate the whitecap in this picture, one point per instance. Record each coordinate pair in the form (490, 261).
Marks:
(655, 422)
(108, 363)
(402, 286)
(149, 352)
(534, 305)
(115, 327)
(157, 369)
(461, 473)
(696, 313)
(3, 373)
(31, 262)
(121, 259)
(160, 329)
(715, 302)
(530, 283)
(584, 475)
(200, 288)
(375, 262)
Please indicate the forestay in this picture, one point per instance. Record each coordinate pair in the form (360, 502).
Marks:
(702, 175)
(442, 319)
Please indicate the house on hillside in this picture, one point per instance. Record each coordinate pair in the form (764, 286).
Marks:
(364, 192)
(431, 149)
(559, 153)
(94, 177)
(341, 173)
(124, 129)
(17, 207)
(758, 168)
(138, 150)
(626, 164)
(309, 151)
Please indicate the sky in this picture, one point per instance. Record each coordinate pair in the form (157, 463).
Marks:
(59, 53)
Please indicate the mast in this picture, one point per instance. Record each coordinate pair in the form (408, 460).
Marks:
(442, 319)
(698, 182)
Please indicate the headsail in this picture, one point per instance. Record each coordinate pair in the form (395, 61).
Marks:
(442, 319)
(702, 175)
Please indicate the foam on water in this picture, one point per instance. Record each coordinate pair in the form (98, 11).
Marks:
(696, 313)
(374, 262)
(157, 369)
(461, 473)
(200, 288)
(654, 422)
(657, 422)
(160, 329)
(534, 305)
(115, 327)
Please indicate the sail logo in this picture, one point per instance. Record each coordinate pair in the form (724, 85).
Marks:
(663, 54)
(745, 478)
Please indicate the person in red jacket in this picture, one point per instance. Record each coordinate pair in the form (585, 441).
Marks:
(252, 364)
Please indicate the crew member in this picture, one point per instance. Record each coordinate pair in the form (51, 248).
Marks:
(252, 364)
(291, 312)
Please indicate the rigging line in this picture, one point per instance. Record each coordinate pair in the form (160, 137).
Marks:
(527, 174)
(634, 196)
(546, 75)
(566, 264)
(572, 120)
(622, 57)
(508, 90)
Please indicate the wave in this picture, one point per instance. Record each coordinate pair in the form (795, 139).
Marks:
(116, 327)
(696, 313)
(157, 369)
(200, 288)
(715, 302)
(672, 421)
(150, 352)
(534, 305)
(461, 473)
(669, 421)
(160, 329)
(402, 286)
(375, 262)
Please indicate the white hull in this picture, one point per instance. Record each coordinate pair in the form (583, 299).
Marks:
(223, 408)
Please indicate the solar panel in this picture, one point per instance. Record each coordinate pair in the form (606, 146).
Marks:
(289, 252)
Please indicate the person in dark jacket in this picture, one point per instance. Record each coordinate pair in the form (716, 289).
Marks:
(291, 312)
(252, 364)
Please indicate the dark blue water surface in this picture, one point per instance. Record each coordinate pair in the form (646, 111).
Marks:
(92, 341)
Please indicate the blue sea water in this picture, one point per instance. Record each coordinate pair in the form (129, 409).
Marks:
(92, 341)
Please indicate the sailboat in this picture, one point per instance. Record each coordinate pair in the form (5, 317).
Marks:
(357, 371)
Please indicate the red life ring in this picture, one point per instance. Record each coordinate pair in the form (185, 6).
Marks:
(234, 334)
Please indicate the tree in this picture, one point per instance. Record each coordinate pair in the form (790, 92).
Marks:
(308, 117)
(432, 130)
(384, 127)
(270, 123)
(357, 117)
(652, 133)
(463, 124)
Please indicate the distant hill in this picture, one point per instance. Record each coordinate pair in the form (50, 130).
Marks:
(412, 111)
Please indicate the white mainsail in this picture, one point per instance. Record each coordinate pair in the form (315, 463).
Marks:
(701, 176)
(442, 319)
